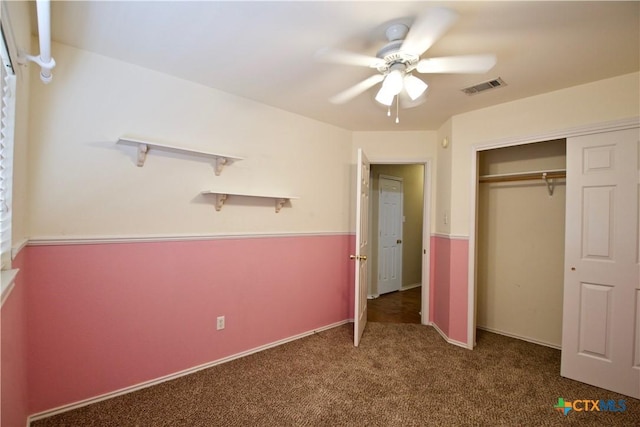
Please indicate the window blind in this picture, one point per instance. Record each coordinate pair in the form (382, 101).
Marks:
(7, 119)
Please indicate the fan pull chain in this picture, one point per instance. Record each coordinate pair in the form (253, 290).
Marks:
(389, 111)
(397, 110)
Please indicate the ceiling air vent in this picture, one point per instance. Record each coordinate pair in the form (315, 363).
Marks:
(481, 87)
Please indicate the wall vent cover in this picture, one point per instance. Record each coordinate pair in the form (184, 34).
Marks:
(481, 87)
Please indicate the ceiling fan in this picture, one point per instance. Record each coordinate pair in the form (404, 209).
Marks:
(396, 60)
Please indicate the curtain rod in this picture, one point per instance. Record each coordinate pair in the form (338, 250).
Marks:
(44, 60)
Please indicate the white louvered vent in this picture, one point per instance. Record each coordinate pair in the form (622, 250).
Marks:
(481, 87)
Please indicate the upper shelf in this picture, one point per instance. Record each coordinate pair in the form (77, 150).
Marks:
(525, 176)
(145, 146)
(547, 175)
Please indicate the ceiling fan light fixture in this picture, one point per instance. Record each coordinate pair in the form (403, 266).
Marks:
(385, 96)
(414, 86)
(397, 59)
(393, 83)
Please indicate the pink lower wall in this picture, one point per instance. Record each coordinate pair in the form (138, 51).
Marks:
(13, 363)
(441, 249)
(103, 317)
(450, 261)
(458, 289)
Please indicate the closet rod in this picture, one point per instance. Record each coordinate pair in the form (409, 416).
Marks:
(525, 176)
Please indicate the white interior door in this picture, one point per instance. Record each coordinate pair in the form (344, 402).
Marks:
(362, 247)
(390, 235)
(601, 312)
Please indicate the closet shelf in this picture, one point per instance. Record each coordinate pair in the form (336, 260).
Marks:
(524, 176)
(547, 175)
(221, 196)
(145, 146)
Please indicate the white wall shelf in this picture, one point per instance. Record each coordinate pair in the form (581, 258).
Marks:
(144, 146)
(221, 196)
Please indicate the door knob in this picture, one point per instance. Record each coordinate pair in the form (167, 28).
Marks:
(399, 241)
(358, 257)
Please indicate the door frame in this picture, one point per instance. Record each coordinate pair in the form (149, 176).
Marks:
(510, 142)
(426, 290)
(377, 227)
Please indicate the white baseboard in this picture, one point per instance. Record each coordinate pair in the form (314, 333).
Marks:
(520, 337)
(447, 339)
(150, 383)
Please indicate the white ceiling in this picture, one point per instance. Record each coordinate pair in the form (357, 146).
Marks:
(264, 50)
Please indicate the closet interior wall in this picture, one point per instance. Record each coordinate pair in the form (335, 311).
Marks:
(520, 246)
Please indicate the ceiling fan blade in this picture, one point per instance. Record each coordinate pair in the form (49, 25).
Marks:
(457, 64)
(428, 28)
(353, 91)
(348, 58)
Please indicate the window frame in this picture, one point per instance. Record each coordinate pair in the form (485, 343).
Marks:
(8, 86)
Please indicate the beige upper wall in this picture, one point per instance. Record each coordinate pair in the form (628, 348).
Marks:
(83, 184)
(16, 19)
(396, 147)
(441, 222)
(589, 104)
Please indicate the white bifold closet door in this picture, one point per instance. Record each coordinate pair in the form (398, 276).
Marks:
(601, 305)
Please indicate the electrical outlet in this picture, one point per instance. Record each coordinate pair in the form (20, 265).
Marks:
(220, 323)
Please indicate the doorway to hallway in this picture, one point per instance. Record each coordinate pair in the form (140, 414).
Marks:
(396, 307)
(397, 233)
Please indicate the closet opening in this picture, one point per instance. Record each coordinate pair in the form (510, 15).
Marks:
(520, 235)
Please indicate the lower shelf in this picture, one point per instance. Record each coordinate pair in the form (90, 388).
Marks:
(221, 196)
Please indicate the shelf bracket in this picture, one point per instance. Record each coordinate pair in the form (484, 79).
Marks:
(280, 203)
(220, 163)
(143, 149)
(220, 198)
(550, 183)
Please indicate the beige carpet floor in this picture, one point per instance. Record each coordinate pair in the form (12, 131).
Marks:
(401, 375)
